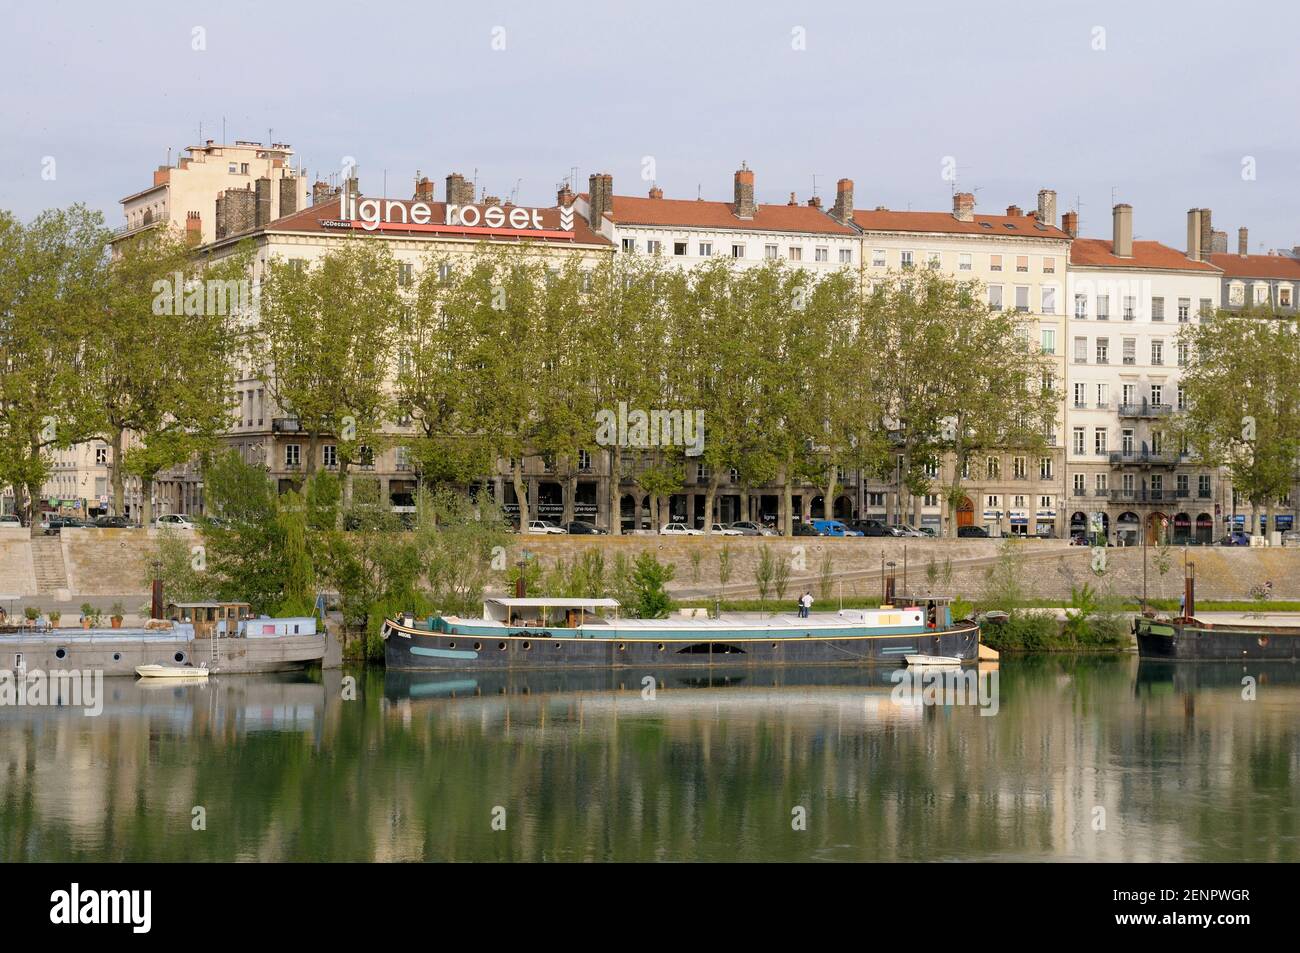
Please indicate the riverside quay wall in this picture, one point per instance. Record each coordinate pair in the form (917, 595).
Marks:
(113, 562)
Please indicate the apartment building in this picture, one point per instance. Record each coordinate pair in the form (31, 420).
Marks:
(1020, 260)
(1128, 302)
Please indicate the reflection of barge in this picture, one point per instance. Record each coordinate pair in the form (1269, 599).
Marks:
(224, 637)
(559, 633)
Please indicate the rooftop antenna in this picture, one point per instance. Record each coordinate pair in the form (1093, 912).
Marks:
(223, 130)
(814, 178)
(514, 193)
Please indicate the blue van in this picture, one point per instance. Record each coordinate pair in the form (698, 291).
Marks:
(833, 528)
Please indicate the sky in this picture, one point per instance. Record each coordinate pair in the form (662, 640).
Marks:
(1165, 106)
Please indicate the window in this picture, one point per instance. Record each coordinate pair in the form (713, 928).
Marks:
(330, 455)
(679, 248)
(992, 468)
(1099, 440)
(1236, 293)
(771, 252)
(877, 258)
(846, 256)
(1081, 306)
(1261, 292)
(794, 253)
(1080, 395)
(1049, 300)
(1103, 307)
(1157, 353)
(1045, 470)
(1049, 340)
(1049, 264)
(905, 259)
(1130, 351)
(737, 251)
(821, 254)
(1126, 441)
(1022, 263)
(1080, 484)
(1157, 309)
(933, 260)
(1078, 440)
(932, 469)
(653, 246)
(1203, 486)
(1157, 394)
(1081, 350)
(875, 499)
(1100, 483)
(404, 269)
(232, 168)
(1284, 296)
(629, 245)
(931, 499)
(1130, 307)
(1181, 397)
(993, 502)
(995, 262)
(1018, 468)
(1022, 298)
(101, 456)
(1182, 484)
(1103, 396)
(1184, 310)
(292, 454)
(964, 261)
(706, 249)
(1207, 307)
(1129, 390)
(995, 297)
(1103, 350)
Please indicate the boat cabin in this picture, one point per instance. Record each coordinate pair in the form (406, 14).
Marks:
(546, 611)
(937, 609)
(219, 619)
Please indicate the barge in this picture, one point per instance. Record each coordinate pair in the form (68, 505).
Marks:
(561, 633)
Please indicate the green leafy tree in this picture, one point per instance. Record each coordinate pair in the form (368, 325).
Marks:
(648, 582)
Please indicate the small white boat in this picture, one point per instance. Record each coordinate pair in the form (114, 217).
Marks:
(932, 660)
(170, 671)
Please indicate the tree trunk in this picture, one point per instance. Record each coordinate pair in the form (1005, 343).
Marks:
(517, 480)
(119, 494)
(146, 499)
(570, 487)
(787, 497)
(828, 501)
(615, 495)
(710, 493)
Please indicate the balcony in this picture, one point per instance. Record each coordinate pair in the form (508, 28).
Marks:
(285, 425)
(1145, 458)
(1145, 410)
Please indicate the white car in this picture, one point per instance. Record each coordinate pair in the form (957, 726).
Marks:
(545, 528)
(679, 529)
(173, 521)
(8, 519)
(719, 530)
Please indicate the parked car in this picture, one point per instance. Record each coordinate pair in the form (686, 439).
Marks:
(1235, 538)
(679, 529)
(749, 528)
(545, 528)
(717, 529)
(52, 525)
(173, 521)
(1291, 538)
(111, 522)
(878, 529)
(582, 528)
(805, 529)
(9, 519)
(972, 532)
(903, 529)
(833, 528)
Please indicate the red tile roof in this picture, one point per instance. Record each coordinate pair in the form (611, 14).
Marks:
(311, 219)
(1021, 226)
(1096, 253)
(687, 213)
(1258, 266)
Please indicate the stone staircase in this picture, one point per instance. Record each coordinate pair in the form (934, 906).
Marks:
(47, 564)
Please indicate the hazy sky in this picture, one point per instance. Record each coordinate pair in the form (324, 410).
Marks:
(1182, 98)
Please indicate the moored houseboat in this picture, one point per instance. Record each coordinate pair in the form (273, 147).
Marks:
(555, 632)
(1189, 638)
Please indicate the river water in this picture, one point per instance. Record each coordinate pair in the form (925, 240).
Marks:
(1050, 758)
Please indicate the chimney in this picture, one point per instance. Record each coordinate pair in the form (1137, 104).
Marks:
(794, 200)
(1207, 235)
(1243, 246)
(321, 192)
(564, 196)
(744, 192)
(963, 206)
(459, 191)
(1014, 211)
(1047, 206)
(1194, 234)
(1070, 224)
(601, 191)
(842, 210)
(288, 197)
(423, 189)
(1122, 243)
(656, 192)
(262, 213)
(193, 228)
(815, 202)
(1219, 244)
